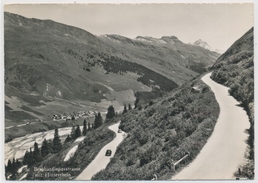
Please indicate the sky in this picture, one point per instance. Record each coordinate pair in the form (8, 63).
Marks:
(220, 25)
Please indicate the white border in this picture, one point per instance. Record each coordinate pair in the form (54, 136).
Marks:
(2, 178)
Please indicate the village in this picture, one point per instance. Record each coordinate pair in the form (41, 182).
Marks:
(73, 115)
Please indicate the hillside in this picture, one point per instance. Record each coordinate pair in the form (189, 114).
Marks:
(167, 55)
(48, 65)
(162, 132)
(235, 69)
(159, 133)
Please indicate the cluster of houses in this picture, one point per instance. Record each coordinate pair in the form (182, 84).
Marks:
(74, 115)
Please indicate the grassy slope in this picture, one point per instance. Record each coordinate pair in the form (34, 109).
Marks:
(162, 132)
(235, 69)
(49, 52)
(172, 58)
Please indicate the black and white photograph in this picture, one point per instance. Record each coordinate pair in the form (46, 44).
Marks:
(128, 91)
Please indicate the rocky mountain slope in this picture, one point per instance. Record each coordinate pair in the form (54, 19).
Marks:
(45, 60)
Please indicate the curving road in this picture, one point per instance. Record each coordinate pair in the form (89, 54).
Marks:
(225, 149)
(100, 162)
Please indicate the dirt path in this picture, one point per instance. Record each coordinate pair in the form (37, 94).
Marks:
(101, 161)
(225, 149)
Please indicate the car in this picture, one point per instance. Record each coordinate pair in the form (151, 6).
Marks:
(119, 131)
(108, 152)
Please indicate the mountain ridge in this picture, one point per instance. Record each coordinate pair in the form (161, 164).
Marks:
(47, 60)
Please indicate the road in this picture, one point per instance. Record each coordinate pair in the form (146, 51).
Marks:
(101, 161)
(225, 149)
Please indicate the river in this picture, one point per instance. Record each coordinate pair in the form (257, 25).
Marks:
(18, 146)
(225, 149)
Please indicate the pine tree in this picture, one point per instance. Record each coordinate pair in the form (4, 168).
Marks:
(84, 130)
(44, 148)
(136, 103)
(50, 146)
(125, 109)
(78, 132)
(9, 166)
(89, 126)
(57, 146)
(129, 107)
(111, 112)
(72, 135)
(30, 159)
(26, 158)
(13, 166)
(36, 153)
(98, 120)
(68, 139)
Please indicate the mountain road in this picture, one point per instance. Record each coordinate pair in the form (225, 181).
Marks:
(225, 149)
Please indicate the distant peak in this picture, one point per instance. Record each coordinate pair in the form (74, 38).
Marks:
(200, 41)
(171, 39)
(202, 44)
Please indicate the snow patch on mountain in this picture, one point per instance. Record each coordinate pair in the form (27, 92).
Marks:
(149, 39)
(205, 45)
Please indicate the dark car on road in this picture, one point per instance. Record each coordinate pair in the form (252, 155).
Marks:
(108, 152)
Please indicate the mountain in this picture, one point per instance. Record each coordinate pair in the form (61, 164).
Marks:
(159, 135)
(205, 45)
(235, 69)
(48, 62)
(202, 44)
(164, 55)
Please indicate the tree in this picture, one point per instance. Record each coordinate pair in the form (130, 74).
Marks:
(111, 112)
(44, 148)
(98, 120)
(136, 103)
(9, 166)
(36, 153)
(14, 168)
(78, 132)
(50, 146)
(26, 158)
(84, 130)
(89, 126)
(57, 146)
(72, 135)
(30, 159)
(125, 109)
(129, 107)
(68, 139)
